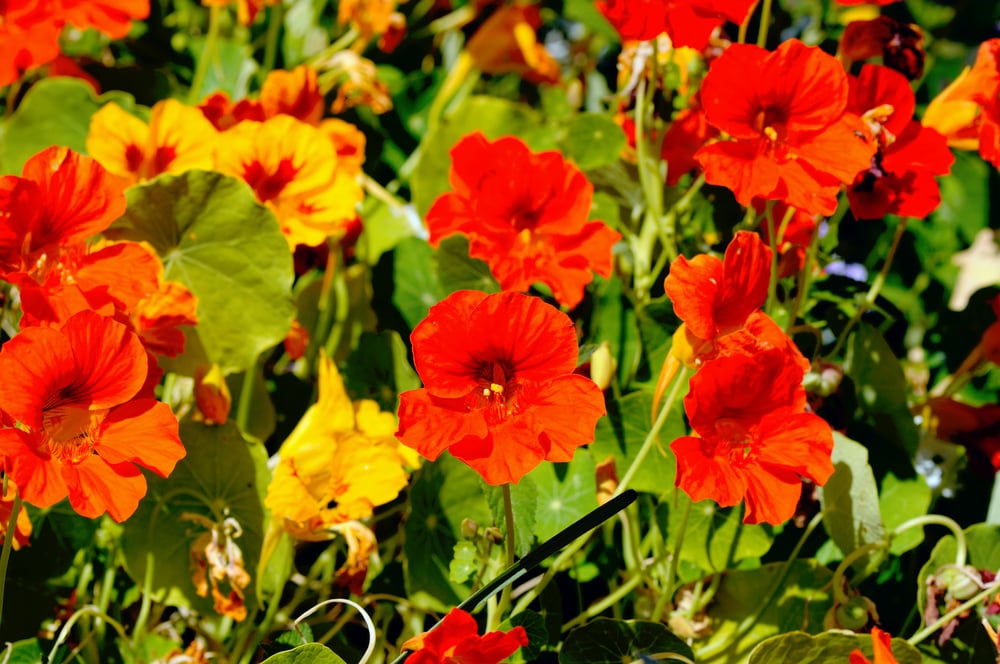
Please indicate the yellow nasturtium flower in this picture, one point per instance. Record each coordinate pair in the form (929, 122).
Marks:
(340, 462)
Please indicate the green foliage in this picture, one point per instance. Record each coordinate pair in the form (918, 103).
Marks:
(565, 493)
(222, 477)
(850, 503)
(902, 500)
(310, 653)
(605, 641)
(524, 502)
(828, 648)
(227, 249)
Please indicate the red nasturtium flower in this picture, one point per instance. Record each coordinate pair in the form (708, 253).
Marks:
(499, 389)
(882, 647)
(785, 113)
(456, 641)
(687, 22)
(754, 441)
(82, 431)
(525, 214)
(900, 179)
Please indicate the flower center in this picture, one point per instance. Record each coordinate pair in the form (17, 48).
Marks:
(70, 432)
(269, 185)
(497, 392)
(771, 122)
(738, 439)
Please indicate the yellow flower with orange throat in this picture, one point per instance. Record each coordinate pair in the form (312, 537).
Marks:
(339, 464)
(293, 168)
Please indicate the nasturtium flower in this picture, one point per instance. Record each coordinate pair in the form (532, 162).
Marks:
(338, 465)
(292, 168)
(246, 10)
(882, 647)
(110, 17)
(900, 179)
(525, 214)
(499, 389)
(81, 430)
(29, 32)
(687, 22)
(791, 139)
(456, 641)
(177, 138)
(754, 441)
(506, 43)
(900, 45)
(22, 525)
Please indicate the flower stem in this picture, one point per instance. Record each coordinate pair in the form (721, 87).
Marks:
(951, 615)
(245, 402)
(8, 543)
(276, 17)
(874, 290)
(207, 56)
(508, 515)
(937, 519)
(765, 20)
(804, 282)
(675, 559)
(654, 432)
(850, 559)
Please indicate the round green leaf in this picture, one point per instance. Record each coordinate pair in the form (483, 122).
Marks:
(310, 653)
(607, 641)
(227, 249)
(222, 476)
(827, 648)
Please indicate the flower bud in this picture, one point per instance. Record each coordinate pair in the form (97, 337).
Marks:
(211, 394)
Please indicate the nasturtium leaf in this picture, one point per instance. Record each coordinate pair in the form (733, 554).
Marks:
(534, 626)
(566, 492)
(800, 604)
(149, 648)
(299, 635)
(215, 238)
(385, 227)
(900, 501)
(493, 116)
(310, 653)
(222, 476)
(457, 271)
(621, 435)
(442, 494)
(261, 416)
(303, 36)
(416, 285)
(55, 111)
(614, 321)
(524, 504)
(607, 641)
(593, 140)
(713, 534)
(826, 648)
(229, 69)
(28, 651)
(881, 387)
(464, 563)
(850, 503)
(379, 369)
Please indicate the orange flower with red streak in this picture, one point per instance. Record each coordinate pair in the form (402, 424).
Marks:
(29, 32)
(456, 640)
(754, 441)
(882, 647)
(292, 168)
(525, 214)
(81, 430)
(687, 22)
(791, 138)
(499, 389)
(176, 139)
(111, 17)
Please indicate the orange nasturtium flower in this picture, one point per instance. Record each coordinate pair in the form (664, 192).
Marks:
(687, 22)
(22, 527)
(292, 168)
(754, 441)
(456, 640)
(82, 431)
(339, 464)
(246, 10)
(499, 389)
(506, 43)
(29, 32)
(176, 139)
(785, 113)
(110, 17)
(525, 214)
(882, 647)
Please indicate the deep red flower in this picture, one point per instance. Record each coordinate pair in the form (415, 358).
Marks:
(687, 22)
(688, 132)
(499, 389)
(793, 243)
(525, 214)
(900, 45)
(456, 641)
(754, 441)
(82, 431)
(29, 33)
(900, 179)
(785, 113)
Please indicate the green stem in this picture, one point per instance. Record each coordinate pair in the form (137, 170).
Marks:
(275, 19)
(937, 519)
(778, 585)
(951, 615)
(874, 291)
(246, 398)
(805, 281)
(654, 432)
(765, 20)
(838, 588)
(508, 515)
(8, 544)
(341, 310)
(668, 592)
(147, 598)
(83, 611)
(207, 56)
(326, 308)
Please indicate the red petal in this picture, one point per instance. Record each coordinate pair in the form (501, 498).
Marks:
(143, 431)
(96, 487)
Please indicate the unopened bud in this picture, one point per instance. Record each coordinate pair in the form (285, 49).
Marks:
(211, 394)
(493, 535)
(469, 529)
(602, 366)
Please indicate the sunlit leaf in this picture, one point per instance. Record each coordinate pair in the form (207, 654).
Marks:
(828, 648)
(606, 641)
